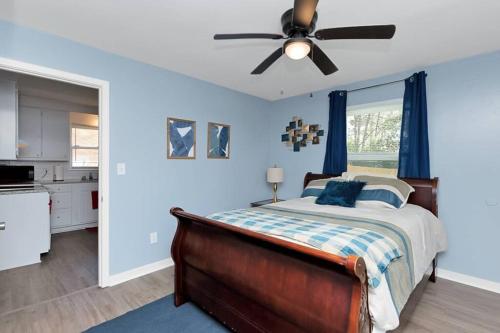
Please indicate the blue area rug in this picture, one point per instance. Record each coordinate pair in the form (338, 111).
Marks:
(162, 316)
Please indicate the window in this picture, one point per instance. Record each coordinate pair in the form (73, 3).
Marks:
(84, 146)
(373, 135)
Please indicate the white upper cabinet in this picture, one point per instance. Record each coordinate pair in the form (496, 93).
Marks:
(8, 120)
(55, 135)
(43, 134)
(30, 133)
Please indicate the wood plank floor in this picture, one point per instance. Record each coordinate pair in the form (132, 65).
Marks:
(446, 307)
(71, 265)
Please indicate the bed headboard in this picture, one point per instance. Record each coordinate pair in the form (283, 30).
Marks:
(425, 194)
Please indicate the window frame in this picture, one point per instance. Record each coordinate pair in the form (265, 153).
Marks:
(372, 156)
(71, 147)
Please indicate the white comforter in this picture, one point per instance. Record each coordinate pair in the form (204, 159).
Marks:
(425, 231)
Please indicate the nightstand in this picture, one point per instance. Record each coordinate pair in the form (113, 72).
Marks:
(263, 202)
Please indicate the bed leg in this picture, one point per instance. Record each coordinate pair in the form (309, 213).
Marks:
(432, 278)
(179, 297)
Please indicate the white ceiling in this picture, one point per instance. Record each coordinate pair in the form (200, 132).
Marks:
(177, 35)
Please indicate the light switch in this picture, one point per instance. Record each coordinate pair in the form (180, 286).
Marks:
(491, 202)
(120, 169)
(153, 237)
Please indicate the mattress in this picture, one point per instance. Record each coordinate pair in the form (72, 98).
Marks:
(425, 231)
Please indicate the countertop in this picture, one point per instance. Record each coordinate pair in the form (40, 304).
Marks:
(37, 189)
(42, 187)
(66, 181)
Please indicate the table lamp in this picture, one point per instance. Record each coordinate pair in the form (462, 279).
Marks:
(275, 176)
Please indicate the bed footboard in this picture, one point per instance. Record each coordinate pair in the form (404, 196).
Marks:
(255, 283)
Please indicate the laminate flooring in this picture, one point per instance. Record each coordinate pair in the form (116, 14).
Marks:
(70, 265)
(445, 307)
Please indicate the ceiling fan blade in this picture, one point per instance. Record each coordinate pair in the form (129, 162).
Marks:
(320, 59)
(303, 12)
(363, 32)
(247, 36)
(268, 61)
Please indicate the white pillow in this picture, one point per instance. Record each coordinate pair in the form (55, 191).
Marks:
(315, 187)
(351, 175)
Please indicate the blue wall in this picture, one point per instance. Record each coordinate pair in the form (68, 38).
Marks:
(464, 120)
(464, 129)
(141, 98)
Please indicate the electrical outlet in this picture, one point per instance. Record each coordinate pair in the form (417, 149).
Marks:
(153, 237)
(120, 169)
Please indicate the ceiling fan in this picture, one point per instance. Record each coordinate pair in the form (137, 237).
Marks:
(298, 23)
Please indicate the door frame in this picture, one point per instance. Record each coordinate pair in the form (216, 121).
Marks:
(104, 157)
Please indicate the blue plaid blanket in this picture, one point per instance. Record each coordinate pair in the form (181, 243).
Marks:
(376, 249)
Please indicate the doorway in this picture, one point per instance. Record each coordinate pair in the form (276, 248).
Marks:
(103, 159)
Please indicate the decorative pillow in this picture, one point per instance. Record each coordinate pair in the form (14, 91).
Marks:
(315, 187)
(343, 193)
(383, 191)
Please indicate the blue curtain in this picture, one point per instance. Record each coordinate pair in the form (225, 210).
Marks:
(336, 142)
(414, 144)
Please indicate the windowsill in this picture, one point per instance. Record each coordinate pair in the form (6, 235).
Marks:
(84, 168)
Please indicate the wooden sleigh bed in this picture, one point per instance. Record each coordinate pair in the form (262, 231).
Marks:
(256, 283)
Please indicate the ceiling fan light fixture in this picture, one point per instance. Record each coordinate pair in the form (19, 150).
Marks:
(297, 48)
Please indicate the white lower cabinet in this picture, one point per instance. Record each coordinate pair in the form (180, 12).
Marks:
(60, 217)
(26, 234)
(82, 211)
(72, 206)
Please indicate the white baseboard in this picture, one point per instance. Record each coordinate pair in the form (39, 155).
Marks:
(469, 280)
(73, 228)
(138, 272)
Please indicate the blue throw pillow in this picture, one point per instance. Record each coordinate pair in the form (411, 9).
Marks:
(340, 193)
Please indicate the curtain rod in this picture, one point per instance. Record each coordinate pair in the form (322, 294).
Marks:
(376, 85)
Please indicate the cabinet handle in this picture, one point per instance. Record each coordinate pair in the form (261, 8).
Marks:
(2, 225)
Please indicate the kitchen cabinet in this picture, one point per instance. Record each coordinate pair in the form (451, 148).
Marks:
(27, 229)
(82, 204)
(43, 135)
(55, 135)
(30, 133)
(60, 196)
(8, 120)
(72, 206)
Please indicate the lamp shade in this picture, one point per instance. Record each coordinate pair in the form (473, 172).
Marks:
(275, 175)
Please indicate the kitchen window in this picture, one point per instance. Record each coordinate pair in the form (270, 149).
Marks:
(373, 135)
(84, 146)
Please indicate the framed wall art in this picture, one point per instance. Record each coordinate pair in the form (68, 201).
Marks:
(181, 139)
(219, 140)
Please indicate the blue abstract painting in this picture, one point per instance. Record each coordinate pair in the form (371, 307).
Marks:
(181, 139)
(218, 141)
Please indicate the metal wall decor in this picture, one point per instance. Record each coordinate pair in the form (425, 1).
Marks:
(298, 134)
